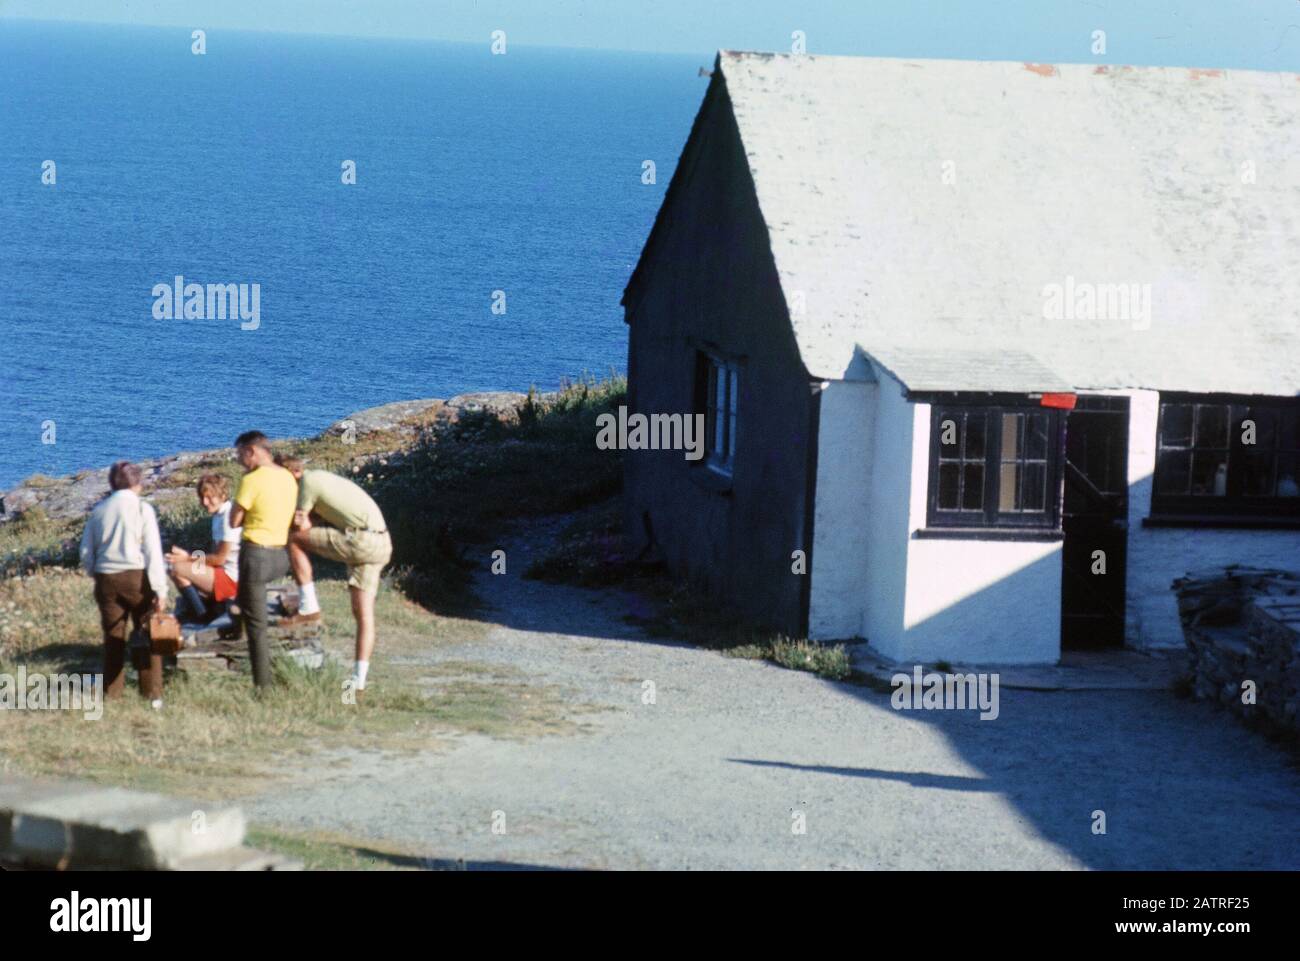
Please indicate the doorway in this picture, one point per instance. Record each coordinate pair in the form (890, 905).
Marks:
(1094, 518)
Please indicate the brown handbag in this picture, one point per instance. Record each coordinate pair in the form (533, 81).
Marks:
(164, 633)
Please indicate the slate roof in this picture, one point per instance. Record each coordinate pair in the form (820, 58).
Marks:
(920, 210)
(966, 368)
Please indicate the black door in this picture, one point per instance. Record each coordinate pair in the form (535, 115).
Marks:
(1095, 520)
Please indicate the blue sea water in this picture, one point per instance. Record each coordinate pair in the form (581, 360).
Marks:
(475, 173)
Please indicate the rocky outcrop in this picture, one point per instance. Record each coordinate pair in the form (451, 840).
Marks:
(63, 497)
(1242, 627)
(410, 416)
(401, 416)
(68, 497)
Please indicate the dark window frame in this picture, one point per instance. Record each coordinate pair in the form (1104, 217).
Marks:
(1170, 500)
(989, 514)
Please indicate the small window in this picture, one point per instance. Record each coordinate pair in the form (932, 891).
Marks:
(721, 393)
(1219, 455)
(994, 466)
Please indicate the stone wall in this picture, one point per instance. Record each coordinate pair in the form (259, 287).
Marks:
(1243, 625)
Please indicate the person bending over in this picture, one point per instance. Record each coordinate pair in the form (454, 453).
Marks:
(353, 531)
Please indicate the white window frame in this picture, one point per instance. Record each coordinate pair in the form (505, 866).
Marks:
(720, 403)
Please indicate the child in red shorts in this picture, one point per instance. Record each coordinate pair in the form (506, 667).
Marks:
(206, 583)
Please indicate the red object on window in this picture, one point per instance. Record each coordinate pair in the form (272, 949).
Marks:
(1063, 401)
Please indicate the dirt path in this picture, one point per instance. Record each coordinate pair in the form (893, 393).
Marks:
(718, 770)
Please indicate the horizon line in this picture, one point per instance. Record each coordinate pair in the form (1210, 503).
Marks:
(13, 18)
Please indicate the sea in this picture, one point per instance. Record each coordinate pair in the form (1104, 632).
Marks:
(416, 219)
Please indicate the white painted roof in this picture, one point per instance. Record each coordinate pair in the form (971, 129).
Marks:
(1184, 180)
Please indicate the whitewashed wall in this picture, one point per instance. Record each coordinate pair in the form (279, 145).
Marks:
(884, 579)
(977, 601)
(969, 601)
(1157, 555)
(841, 556)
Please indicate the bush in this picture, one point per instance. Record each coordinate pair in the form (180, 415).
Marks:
(455, 488)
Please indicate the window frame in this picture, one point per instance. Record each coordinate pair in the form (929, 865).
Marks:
(990, 516)
(718, 413)
(1234, 503)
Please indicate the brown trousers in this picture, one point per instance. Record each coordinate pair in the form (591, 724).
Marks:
(120, 596)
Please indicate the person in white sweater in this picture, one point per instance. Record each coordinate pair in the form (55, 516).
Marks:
(122, 549)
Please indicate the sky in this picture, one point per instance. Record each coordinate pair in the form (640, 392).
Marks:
(1242, 34)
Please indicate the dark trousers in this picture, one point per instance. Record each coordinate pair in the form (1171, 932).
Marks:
(122, 596)
(258, 566)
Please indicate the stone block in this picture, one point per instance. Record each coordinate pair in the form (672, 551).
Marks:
(85, 826)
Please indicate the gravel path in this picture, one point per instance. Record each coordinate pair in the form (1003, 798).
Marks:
(713, 774)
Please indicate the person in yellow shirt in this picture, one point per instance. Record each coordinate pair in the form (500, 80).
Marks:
(264, 506)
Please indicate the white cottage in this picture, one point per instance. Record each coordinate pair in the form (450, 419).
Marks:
(989, 352)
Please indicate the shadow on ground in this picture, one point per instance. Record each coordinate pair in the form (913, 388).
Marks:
(1182, 786)
(447, 864)
(946, 782)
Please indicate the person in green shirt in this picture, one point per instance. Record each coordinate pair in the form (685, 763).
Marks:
(349, 528)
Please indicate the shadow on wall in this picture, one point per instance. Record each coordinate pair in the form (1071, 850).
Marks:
(981, 618)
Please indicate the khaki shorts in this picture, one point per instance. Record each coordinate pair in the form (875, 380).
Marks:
(365, 553)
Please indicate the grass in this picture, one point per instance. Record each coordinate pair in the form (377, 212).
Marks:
(334, 851)
(33, 541)
(458, 487)
(212, 462)
(214, 734)
(330, 851)
(446, 493)
(684, 615)
(328, 451)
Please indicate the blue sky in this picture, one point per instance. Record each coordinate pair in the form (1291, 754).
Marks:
(1255, 34)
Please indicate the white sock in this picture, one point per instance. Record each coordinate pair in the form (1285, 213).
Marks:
(307, 603)
(362, 669)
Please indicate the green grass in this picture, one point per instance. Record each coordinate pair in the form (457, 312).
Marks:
(334, 851)
(331, 851)
(455, 490)
(444, 494)
(33, 541)
(216, 736)
(684, 615)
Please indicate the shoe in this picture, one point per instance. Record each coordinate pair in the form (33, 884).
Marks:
(299, 619)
